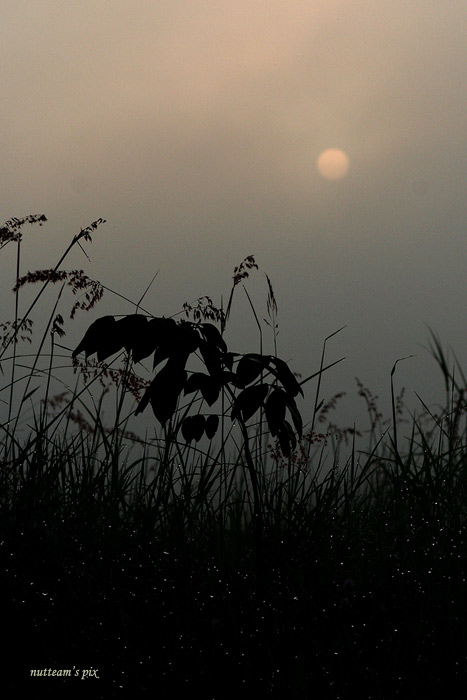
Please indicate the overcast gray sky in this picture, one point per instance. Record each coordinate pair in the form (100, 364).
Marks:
(194, 128)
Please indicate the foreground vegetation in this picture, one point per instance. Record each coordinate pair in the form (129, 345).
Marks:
(223, 561)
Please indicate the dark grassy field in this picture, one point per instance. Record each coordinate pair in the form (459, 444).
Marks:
(244, 565)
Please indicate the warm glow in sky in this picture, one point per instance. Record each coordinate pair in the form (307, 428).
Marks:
(333, 164)
(194, 129)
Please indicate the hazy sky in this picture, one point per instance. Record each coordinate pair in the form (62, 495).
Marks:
(194, 128)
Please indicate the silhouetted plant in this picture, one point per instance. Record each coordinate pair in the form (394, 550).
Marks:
(252, 381)
(11, 230)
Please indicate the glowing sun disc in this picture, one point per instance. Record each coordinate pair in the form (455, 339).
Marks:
(333, 164)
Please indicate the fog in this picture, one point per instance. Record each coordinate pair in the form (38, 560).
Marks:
(194, 129)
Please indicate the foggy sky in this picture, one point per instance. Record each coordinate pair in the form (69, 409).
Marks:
(193, 128)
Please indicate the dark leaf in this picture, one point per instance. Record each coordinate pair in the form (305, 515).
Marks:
(212, 423)
(228, 359)
(160, 354)
(110, 345)
(275, 408)
(286, 377)
(286, 438)
(187, 337)
(169, 385)
(131, 329)
(186, 429)
(227, 377)
(146, 344)
(178, 360)
(99, 336)
(176, 342)
(207, 385)
(249, 401)
(295, 413)
(193, 428)
(168, 334)
(213, 336)
(250, 367)
(145, 399)
(193, 383)
(163, 392)
(212, 357)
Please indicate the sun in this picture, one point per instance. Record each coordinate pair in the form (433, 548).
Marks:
(333, 164)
